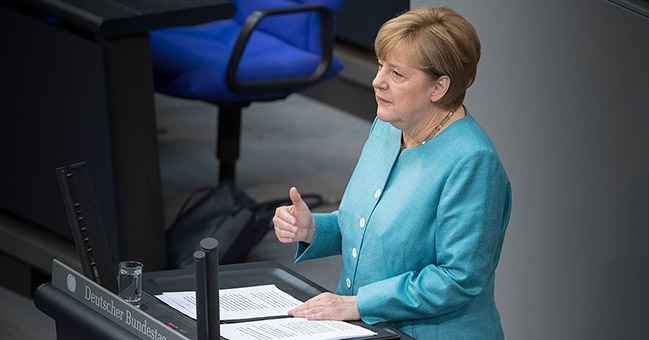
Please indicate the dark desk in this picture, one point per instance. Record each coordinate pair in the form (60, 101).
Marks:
(78, 321)
(239, 275)
(77, 85)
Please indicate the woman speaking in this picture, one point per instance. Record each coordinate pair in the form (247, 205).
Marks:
(421, 224)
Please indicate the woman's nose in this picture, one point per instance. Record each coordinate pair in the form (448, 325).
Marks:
(378, 82)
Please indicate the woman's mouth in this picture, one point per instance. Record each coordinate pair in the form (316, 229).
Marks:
(381, 100)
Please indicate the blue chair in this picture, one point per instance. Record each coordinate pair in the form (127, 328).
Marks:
(270, 49)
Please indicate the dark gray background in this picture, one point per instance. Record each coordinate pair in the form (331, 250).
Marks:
(563, 91)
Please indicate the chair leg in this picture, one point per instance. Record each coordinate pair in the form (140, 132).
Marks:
(228, 139)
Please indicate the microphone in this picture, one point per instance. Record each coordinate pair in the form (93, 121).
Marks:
(206, 267)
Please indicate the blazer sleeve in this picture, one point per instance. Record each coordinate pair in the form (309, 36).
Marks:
(327, 240)
(470, 224)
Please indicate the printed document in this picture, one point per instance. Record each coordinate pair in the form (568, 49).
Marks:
(238, 303)
(293, 328)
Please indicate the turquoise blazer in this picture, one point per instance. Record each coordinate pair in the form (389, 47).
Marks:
(420, 232)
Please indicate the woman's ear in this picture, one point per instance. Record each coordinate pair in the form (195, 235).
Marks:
(440, 88)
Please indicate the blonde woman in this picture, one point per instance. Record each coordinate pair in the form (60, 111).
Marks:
(422, 221)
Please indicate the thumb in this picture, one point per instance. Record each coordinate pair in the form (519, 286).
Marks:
(298, 202)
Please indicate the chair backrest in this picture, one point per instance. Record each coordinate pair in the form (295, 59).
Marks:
(303, 25)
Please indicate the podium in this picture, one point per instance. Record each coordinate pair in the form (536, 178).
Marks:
(84, 310)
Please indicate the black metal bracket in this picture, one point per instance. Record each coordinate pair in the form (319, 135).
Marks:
(87, 229)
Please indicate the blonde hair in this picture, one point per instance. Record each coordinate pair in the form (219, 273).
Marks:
(441, 42)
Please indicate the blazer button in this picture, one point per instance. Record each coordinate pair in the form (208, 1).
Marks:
(354, 252)
(362, 222)
(349, 283)
(377, 193)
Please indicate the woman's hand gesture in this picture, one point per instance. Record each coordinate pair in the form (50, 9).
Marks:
(295, 222)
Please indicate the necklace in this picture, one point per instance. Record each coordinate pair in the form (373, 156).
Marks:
(435, 131)
(439, 127)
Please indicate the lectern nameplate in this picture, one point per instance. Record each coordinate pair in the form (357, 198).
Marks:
(110, 305)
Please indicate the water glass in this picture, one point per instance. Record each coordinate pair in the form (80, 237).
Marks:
(130, 282)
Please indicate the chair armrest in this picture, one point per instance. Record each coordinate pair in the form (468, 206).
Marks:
(273, 85)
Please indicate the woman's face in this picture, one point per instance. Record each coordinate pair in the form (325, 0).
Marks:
(403, 93)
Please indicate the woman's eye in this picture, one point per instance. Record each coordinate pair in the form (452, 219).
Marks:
(397, 74)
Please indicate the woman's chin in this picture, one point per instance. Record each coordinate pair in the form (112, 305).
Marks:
(384, 116)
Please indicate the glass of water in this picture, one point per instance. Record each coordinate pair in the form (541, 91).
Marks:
(130, 282)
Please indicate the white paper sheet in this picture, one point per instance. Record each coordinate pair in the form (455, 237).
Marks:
(237, 303)
(293, 328)
(184, 302)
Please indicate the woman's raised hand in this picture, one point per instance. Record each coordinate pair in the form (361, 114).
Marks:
(295, 222)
